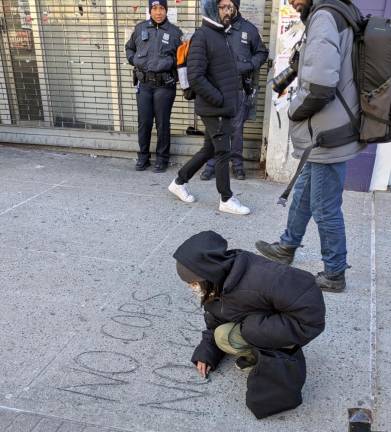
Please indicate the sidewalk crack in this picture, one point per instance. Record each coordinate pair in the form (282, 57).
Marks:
(31, 198)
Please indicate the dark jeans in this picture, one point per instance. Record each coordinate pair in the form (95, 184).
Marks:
(218, 144)
(318, 193)
(154, 102)
(237, 134)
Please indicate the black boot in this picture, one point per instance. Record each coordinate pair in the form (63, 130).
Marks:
(142, 164)
(207, 174)
(276, 252)
(160, 167)
(239, 173)
(332, 283)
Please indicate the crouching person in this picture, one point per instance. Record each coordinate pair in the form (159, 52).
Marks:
(261, 311)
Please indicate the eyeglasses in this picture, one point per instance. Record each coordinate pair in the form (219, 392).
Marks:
(226, 7)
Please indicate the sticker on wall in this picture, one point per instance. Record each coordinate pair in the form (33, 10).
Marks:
(20, 39)
(254, 11)
(23, 9)
(45, 17)
(27, 22)
(135, 9)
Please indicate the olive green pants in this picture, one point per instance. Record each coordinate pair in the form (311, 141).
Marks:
(229, 339)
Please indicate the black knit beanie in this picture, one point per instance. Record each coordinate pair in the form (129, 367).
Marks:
(157, 2)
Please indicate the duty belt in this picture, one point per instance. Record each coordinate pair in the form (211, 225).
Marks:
(156, 78)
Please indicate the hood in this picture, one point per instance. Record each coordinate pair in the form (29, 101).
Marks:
(237, 20)
(206, 255)
(346, 7)
(209, 10)
(316, 2)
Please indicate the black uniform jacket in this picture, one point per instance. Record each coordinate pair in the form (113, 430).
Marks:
(152, 47)
(212, 71)
(250, 52)
(276, 305)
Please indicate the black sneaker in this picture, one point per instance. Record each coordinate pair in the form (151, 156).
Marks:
(160, 167)
(331, 283)
(207, 174)
(245, 363)
(142, 165)
(239, 173)
(276, 252)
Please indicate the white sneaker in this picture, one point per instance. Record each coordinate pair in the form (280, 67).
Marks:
(181, 191)
(233, 206)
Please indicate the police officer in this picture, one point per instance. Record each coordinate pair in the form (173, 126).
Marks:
(151, 49)
(250, 54)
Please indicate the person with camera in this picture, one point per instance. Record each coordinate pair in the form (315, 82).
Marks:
(151, 49)
(212, 73)
(250, 54)
(252, 306)
(321, 128)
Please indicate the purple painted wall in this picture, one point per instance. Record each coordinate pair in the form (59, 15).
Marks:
(375, 7)
(360, 169)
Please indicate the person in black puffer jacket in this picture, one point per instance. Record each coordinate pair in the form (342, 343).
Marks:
(212, 74)
(251, 304)
(250, 54)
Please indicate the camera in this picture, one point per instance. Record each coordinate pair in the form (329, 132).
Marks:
(288, 75)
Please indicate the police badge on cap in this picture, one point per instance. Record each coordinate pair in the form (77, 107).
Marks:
(153, 3)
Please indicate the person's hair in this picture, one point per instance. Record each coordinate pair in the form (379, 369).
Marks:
(209, 291)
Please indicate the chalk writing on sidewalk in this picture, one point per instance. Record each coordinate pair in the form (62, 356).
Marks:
(89, 361)
(100, 371)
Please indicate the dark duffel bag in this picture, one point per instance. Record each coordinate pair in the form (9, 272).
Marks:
(275, 383)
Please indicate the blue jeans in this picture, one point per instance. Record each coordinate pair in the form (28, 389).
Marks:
(318, 193)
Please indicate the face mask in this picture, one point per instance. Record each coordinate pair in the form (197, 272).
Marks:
(196, 288)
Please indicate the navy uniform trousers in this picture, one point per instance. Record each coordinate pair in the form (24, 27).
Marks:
(154, 103)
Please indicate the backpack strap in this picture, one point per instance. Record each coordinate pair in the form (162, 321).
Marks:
(353, 18)
(355, 122)
(284, 196)
(378, 119)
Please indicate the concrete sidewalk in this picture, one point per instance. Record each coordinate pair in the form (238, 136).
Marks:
(97, 330)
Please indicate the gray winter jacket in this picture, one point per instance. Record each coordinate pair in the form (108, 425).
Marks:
(316, 114)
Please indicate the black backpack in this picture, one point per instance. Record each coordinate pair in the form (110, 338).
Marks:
(372, 71)
(371, 59)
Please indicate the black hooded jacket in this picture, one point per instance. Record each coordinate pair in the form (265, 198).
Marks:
(212, 71)
(276, 305)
